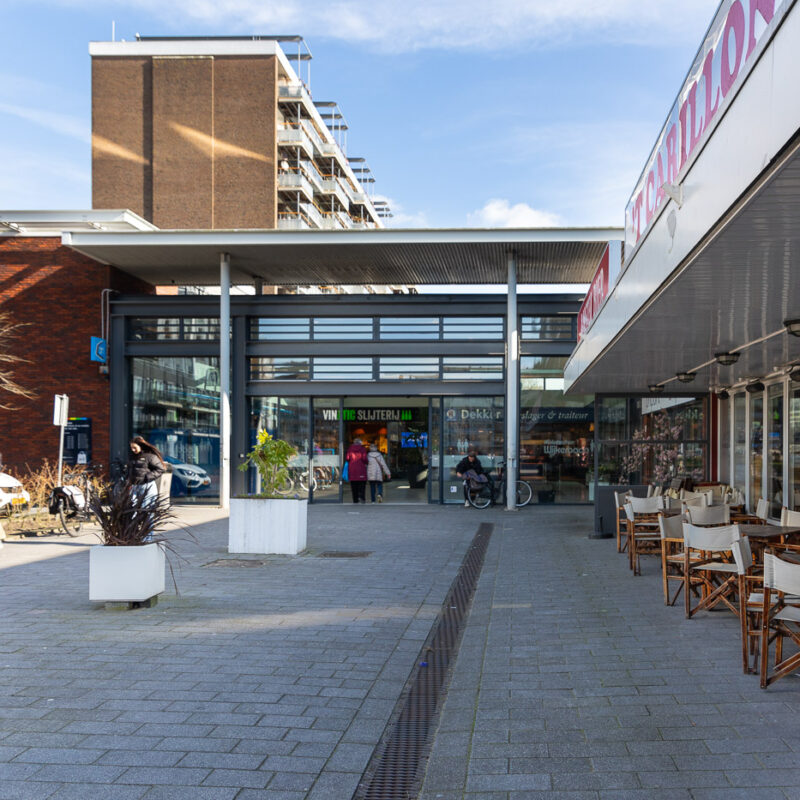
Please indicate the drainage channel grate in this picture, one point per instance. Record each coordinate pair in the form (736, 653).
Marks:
(395, 770)
(345, 553)
(235, 562)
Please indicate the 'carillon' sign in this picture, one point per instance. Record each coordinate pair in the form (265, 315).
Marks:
(718, 69)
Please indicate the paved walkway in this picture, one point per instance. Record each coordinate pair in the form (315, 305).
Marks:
(271, 681)
(575, 682)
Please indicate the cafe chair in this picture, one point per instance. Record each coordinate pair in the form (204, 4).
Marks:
(643, 531)
(779, 619)
(762, 509)
(708, 515)
(751, 600)
(790, 519)
(620, 498)
(672, 558)
(658, 491)
(650, 489)
(706, 565)
(687, 497)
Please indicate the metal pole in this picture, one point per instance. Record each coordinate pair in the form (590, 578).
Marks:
(512, 384)
(60, 452)
(224, 380)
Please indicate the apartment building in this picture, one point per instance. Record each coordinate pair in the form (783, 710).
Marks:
(222, 133)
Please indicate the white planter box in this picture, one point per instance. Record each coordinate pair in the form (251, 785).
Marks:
(126, 574)
(267, 526)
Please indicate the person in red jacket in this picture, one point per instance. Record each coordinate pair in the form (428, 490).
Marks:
(357, 458)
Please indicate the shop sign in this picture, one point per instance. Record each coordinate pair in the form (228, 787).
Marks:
(604, 279)
(480, 414)
(548, 415)
(719, 69)
(370, 414)
(566, 448)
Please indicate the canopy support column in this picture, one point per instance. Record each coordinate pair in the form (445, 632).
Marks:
(224, 380)
(512, 384)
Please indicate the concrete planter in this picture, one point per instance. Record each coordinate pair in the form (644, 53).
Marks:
(267, 526)
(126, 574)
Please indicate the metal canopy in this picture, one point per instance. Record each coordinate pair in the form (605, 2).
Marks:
(739, 288)
(566, 255)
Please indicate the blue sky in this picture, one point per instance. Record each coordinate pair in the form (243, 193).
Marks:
(526, 113)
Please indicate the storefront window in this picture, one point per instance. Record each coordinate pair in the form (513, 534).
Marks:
(652, 440)
(739, 440)
(327, 456)
(756, 447)
(556, 434)
(471, 422)
(175, 406)
(794, 449)
(774, 452)
(434, 472)
(284, 418)
(725, 441)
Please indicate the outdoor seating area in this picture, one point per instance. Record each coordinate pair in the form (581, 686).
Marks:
(722, 558)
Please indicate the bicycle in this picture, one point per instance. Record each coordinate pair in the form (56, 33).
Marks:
(485, 495)
(297, 477)
(70, 503)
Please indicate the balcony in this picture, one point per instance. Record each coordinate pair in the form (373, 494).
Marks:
(332, 186)
(296, 181)
(292, 135)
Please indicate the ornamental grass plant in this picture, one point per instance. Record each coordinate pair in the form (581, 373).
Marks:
(128, 518)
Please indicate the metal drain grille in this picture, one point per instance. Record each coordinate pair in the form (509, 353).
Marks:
(395, 770)
(345, 553)
(235, 562)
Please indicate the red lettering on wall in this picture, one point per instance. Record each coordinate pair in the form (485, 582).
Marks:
(767, 10)
(660, 181)
(637, 214)
(672, 155)
(735, 23)
(650, 207)
(710, 89)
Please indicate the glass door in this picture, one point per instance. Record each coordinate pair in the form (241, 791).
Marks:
(327, 456)
(774, 449)
(756, 448)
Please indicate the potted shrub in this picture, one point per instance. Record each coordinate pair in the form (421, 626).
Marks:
(268, 522)
(129, 565)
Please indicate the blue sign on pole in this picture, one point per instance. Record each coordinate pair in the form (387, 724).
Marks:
(98, 349)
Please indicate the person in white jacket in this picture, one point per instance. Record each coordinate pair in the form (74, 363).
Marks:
(376, 471)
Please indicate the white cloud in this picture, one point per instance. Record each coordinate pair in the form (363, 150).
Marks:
(452, 24)
(65, 124)
(400, 217)
(501, 214)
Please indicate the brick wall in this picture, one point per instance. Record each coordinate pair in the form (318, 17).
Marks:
(187, 142)
(55, 293)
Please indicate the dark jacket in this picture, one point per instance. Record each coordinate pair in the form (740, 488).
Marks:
(357, 459)
(466, 464)
(144, 468)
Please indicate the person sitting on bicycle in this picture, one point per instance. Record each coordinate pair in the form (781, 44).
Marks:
(470, 468)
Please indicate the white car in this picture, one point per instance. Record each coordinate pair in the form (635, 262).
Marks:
(12, 494)
(187, 478)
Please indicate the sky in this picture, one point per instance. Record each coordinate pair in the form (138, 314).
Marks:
(514, 113)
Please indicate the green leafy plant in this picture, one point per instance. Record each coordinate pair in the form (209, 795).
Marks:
(271, 458)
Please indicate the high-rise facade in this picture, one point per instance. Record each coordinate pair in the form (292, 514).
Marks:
(216, 133)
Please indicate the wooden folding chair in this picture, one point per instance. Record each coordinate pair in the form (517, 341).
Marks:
(643, 531)
(712, 572)
(708, 515)
(751, 599)
(672, 558)
(789, 518)
(779, 619)
(622, 521)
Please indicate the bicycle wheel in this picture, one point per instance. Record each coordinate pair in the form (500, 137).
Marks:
(286, 487)
(70, 524)
(480, 498)
(524, 493)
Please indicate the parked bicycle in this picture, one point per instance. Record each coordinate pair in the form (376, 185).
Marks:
(70, 503)
(485, 494)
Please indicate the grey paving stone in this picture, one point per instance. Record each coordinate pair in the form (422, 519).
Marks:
(25, 790)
